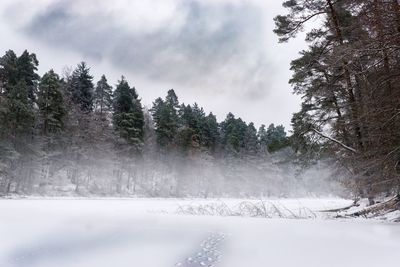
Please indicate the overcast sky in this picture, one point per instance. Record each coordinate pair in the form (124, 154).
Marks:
(221, 54)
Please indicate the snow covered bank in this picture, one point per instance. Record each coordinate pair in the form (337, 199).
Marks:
(133, 232)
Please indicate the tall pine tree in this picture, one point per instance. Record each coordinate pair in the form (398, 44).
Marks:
(27, 66)
(103, 96)
(18, 82)
(128, 114)
(81, 87)
(166, 120)
(50, 103)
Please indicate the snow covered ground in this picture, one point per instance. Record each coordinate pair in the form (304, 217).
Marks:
(149, 233)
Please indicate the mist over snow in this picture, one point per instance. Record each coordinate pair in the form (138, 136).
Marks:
(199, 133)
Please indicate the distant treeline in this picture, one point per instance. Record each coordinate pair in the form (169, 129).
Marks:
(69, 134)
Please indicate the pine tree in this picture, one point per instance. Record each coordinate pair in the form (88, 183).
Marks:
(27, 66)
(81, 87)
(342, 92)
(166, 120)
(186, 116)
(51, 103)
(8, 79)
(103, 96)
(250, 141)
(128, 115)
(211, 135)
(262, 139)
(18, 84)
(194, 122)
(8, 71)
(172, 99)
(18, 80)
(187, 134)
(233, 131)
(276, 138)
(199, 122)
(20, 115)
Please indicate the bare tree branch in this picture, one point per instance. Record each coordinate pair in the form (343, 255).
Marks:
(334, 140)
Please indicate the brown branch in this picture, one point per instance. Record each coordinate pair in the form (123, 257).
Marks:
(304, 20)
(334, 140)
(392, 118)
(389, 205)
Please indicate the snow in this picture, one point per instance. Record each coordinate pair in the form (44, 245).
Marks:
(148, 232)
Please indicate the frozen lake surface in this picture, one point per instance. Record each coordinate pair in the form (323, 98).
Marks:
(148, 233)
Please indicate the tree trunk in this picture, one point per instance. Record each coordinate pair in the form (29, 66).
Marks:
(347, 76)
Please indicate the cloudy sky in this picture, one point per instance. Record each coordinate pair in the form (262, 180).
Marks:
(221, 54)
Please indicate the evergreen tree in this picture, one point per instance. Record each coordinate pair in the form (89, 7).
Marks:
(156, 110)
(27, 66)
(18, 79)
(302, 140)
(81, 87)
(50, 103)
(276, 138)
(211, 135)
(251, 141)
(8, 79)
(128, 115)
(186, 118)
(262, 139)
(233, 131)
(342, 92)
(103, 96)
(187, 132)
(166, 120)
(20, 114)
(172, 99)
(8, 71)
(199, 122)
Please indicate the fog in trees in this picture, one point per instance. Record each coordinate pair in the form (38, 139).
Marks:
(71, 135)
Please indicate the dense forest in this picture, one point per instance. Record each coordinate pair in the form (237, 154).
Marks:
(68, 134)
(349, 81)
(63, 134)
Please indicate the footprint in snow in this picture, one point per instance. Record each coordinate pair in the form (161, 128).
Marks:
(208, 255)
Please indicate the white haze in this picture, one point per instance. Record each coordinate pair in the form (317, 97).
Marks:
(99, 172)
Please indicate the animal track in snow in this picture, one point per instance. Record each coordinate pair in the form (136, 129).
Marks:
(208, 254)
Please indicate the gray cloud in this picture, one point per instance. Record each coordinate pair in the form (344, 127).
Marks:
(214, 43)
(220, 53)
